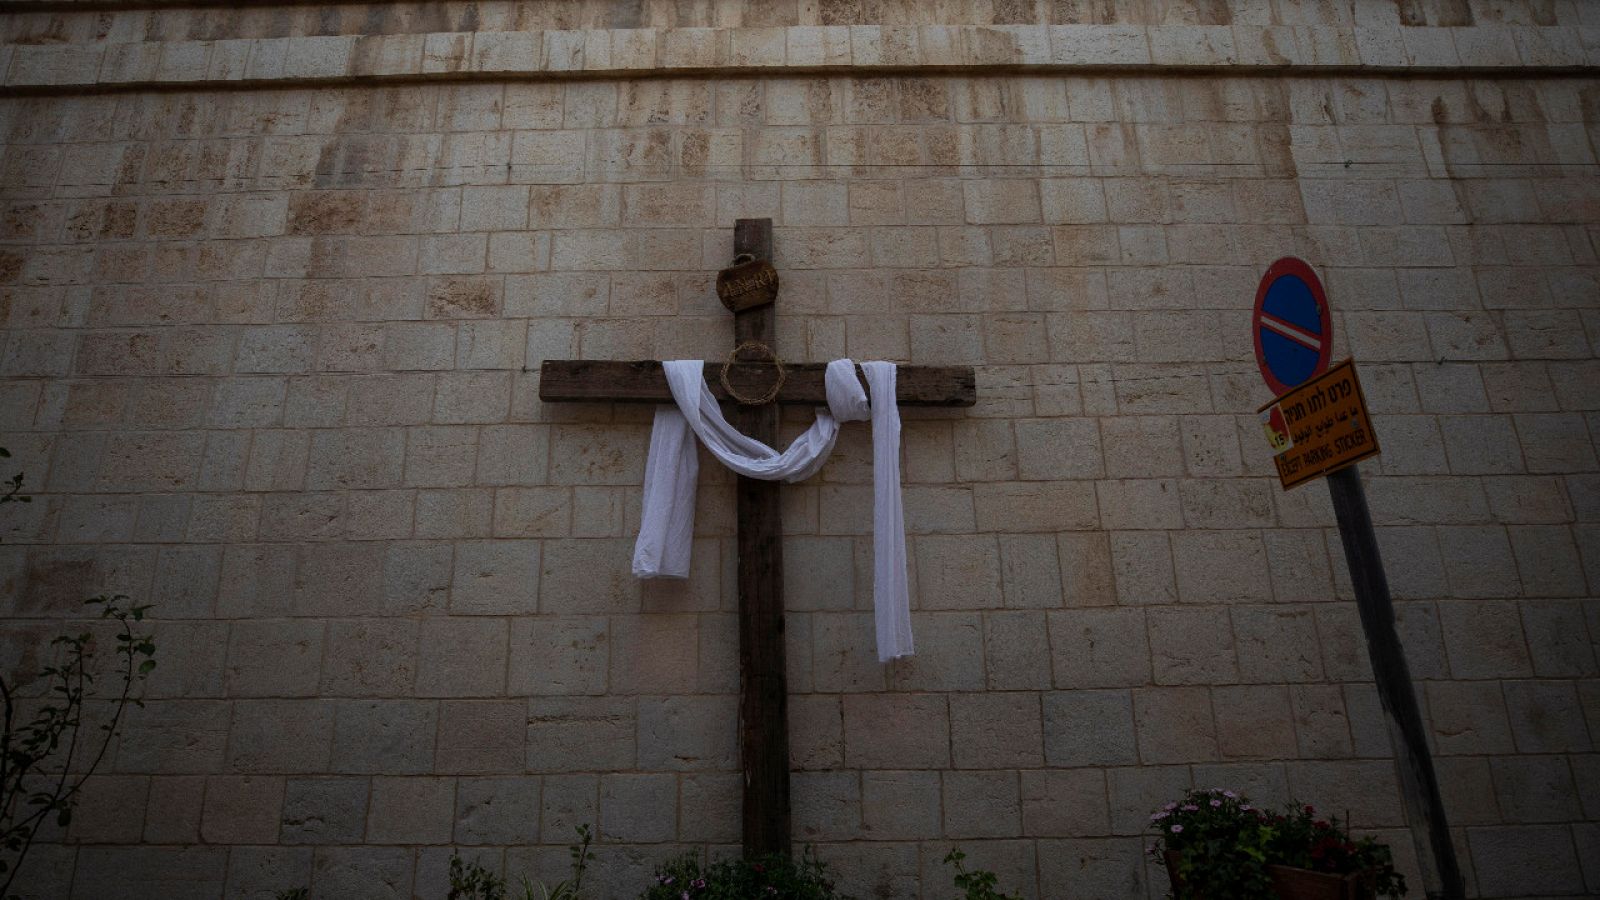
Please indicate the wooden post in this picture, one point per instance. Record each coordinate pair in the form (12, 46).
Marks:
(763, 693)
(1441, 874)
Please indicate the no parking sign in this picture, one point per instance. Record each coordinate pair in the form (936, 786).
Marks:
(1292, 327)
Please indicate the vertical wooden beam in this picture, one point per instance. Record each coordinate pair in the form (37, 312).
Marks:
(763, 693)
(1441, 874)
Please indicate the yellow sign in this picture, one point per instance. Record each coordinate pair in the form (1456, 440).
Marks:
(1320, 426)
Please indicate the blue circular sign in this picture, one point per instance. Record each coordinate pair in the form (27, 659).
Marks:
(1292, 326)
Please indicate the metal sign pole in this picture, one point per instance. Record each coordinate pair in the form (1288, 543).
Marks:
(1441, 874)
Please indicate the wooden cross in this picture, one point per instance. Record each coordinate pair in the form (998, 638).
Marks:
(763, 695)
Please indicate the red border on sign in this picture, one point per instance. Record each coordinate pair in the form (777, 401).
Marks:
(1290, 265)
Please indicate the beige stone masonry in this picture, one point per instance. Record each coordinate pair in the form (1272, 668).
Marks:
(858, 49)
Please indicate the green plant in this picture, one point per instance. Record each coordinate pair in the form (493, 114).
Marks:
(979, 884)
(570, 888)
(1297, 837)
(1222, 846)
(41, 777)
(13, 486)
(471, 881)
(775, 877)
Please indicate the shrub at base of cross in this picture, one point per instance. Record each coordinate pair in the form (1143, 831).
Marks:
(1215, 844)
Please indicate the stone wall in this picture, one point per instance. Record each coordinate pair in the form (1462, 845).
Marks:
(277, 282)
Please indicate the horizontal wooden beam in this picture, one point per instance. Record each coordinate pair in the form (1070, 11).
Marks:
(642, 381)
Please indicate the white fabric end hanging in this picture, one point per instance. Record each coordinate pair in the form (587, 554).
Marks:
(666, 527)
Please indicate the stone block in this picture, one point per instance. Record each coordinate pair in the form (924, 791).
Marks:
(1468, 717)
(1254, 722)
(390, 737)
(1142, 564)
(989, 730)
(592, 575)
(1322, 728)
(1175, 725)
(827, 805)
(355, 458)
(711, 807)
(949, 654)
(1365, 792)
(957, 572)
(1556, 638)
(460, 657)
(373, 658)
(1136, 792)
(1053, 449)
(339, 578)
(379, 872)
(1276, 643)
(638, 808)
(888, 730)
(1220, 566)
(581, 734)
(1546, 717)
(687, 733)
(1534, 789)
(481, 736)
(1555, 442)
(241, 809)
(654, 654)
(495, 577)
(900, 805)
(1064, 803)
(1035, 506)
(281, 736)
(1016, 651)
(1515, 860)
(982, 805)
(1089, 728)
(173, 812)
(559, 655)
(1099, 648)
(411, 810)
(1484, 639)
(1139, 504)
(816, 732)
(111, 809)
(498, 811)
(1467, 790)
(568, 801)
(274, 658)
(324, 811)
(182, 873)
(1102, 867)
(1547, 561)
(415, 576)
(1030, 569)
(262, 871)
(440, 456)
(1192, 646)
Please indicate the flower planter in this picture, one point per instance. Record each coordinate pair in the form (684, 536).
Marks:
(1289, 883)
(1303, 884)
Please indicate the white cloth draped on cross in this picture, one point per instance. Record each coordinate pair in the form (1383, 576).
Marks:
(666, 527)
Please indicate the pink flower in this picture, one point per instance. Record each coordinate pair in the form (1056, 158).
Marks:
(1177, 828)
(1189, 807)
(1216, 803)
(1230, 795)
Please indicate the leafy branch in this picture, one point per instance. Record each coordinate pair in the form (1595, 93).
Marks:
(38, 778)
